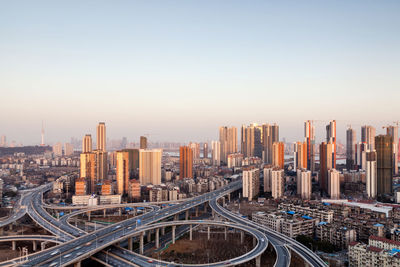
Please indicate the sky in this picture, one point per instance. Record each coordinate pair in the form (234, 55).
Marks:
(177, 70)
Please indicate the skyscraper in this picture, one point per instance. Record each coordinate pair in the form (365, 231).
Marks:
(150, 166)
(268, 178)
(371, 182)
(326, 157)
(309, 134)
(143, 142)
(195, 149)
(331, 138)
(185, 162)
(251, 140)
(205, 150)
(278, 154)
(88, 170)
(304, 183)
(393, 131)
(228, 140)
(57, 149)
(277, 183)
(68, 149)
(122, 172)
(368, 136)
(350, 148)
(251, 182)
(270, 135)
(216, 153)
(101, 136)
(300, 155)
(334, 184)
(133, 162)
(101, 165)
(384, 158)
(87, 144)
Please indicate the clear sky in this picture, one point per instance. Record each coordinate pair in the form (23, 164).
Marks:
(180, 69)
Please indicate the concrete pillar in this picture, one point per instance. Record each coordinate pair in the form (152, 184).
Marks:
(213, 213)
(76, 221)
(130, 244)
(88, 214)
(10, 227)
(42, 246)
(14, 245)
(229, 197)
(34, 246)
(162, 230)
(258, 261)
(1, 231)
(187, 215)
(149, 236)
(208, 232)
(197, 211)
(104, 213)
(173, 234)
(77, 264)
(176, 217)
(241, 237)
(141, 242)
(223, 201)
(226, 233)
(120, 211)
(191, 233)
(157, 237)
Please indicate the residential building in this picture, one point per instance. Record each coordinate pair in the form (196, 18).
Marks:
(185, 162)
(150, 166)
(251, 182)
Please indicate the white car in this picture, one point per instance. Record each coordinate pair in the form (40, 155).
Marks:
(54, 253)
(68, 255)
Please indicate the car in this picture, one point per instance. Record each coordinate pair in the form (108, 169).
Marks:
(68, 255)
(101, 241)
(54, 252)
(118, 226)
(88, 243)
(149, 261)
(79, 253)
(78, 247)
(54, 263)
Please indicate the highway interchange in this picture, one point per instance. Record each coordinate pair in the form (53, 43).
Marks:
(78, 244)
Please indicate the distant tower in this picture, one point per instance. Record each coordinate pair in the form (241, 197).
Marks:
(143, 142)
(42, 144)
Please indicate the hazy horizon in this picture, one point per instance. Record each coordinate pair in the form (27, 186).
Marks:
(178, 70)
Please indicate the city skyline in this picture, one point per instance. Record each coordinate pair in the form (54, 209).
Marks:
(181, 74)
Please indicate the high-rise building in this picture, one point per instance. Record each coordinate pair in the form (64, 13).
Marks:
(251, 182)
(309, 134)
(304, 183)
(350, 148)
(195, 149)
(334, 184)
(393, 131)
(101, 165)
(205, 150)
(277, 183)
(326, 161)
(68, 149)
(150, 166)
(251, 140)
(370, 173)
(228, 140)
(216, 153)
(331, 138)
(270, 135)
(235, 160)
(134, 190)
(368, 136)
(278, 154)
(300, 155)
(101, 136)
(88, 170)
(384, 158)
(87, 144)
(57, 149)
(133, 162)
(122, 172)
(143, 142)
(268, 178)
(185, 162)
